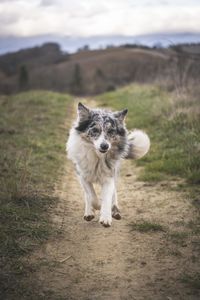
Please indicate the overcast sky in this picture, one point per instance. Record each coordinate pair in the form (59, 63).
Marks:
(97, 17)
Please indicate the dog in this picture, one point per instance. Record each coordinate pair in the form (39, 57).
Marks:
(97, 143)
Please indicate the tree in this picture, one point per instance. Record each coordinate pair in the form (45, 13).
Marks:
(23, 77)
(84, 48)
(99, 81)
(76, 86)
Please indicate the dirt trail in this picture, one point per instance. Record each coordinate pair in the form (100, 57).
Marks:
(88, 261)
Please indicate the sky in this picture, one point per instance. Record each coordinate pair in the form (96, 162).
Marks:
(85, 18)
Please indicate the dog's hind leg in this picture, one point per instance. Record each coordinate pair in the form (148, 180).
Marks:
(91, 201)
(115, 209)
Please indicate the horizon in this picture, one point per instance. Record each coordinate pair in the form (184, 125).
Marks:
(72, 44)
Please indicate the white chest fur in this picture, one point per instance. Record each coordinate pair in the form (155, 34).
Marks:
(92, 167)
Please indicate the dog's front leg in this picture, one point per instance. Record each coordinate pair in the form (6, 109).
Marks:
(115, 209)
(91, 201)
(108, 189)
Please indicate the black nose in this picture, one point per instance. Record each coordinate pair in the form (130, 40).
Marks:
(104, 146)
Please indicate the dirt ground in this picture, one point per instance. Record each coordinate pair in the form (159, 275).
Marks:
(87, 261)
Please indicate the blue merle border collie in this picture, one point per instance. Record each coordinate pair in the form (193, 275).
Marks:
(97, 143)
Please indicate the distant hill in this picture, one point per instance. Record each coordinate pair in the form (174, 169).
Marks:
(72, 43)
(89, 72)
(49, 53)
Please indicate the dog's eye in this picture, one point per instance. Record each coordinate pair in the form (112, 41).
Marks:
(111, 131)
(95, 130)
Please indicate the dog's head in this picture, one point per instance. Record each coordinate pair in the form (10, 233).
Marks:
(105, 130)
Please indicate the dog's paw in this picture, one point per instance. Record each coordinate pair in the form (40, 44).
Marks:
(116, 213)
(88, 217)
(105, 221)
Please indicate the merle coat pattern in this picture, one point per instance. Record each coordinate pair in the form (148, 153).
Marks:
(97, 143)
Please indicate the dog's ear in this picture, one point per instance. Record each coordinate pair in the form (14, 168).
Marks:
(120, 115)
(83, 112)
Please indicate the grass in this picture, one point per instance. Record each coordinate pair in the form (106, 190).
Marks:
(173, 124)
(191, 280)
(179, 238)
(32, 152)
(174, 131)
(146, 226)
(31, 160)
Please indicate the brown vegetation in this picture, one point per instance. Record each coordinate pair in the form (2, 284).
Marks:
(91, 72)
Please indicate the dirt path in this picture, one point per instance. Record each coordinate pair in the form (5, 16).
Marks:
(88, 261)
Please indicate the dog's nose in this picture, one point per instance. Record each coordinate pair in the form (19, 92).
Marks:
(104, 146)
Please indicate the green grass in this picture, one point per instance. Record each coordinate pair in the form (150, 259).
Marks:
(146, 226)
(178, 237)
(31, 160)
(173, 124)
(174, 132)
(191, 280)
(32, 145)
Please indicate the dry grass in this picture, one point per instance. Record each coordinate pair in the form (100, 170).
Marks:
(32, 154)
(173, 125)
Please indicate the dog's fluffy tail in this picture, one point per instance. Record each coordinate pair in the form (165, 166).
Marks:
(139, 144)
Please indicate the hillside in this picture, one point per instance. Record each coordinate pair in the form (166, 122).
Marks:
(90, 72)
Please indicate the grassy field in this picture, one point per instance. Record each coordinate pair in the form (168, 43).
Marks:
(173, 125)
(172, 121)
(32, 134)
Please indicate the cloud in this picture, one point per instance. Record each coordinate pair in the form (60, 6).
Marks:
(3, 1)
(47, 2)
(90, 18)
